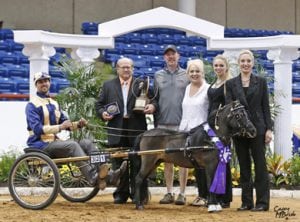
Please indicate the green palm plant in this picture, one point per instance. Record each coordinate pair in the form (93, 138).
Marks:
(78, 100)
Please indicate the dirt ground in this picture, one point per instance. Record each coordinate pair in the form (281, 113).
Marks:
(101, 209)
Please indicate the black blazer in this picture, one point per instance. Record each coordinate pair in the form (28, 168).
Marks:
(256, 100)
(111, 92)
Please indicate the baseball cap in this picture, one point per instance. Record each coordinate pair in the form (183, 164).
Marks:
(170, 47)
(40, 76)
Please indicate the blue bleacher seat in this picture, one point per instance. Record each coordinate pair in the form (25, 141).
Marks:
(3, 71)
(296, 144)
(296, 76)
(5, 45)
(56, 72)
(150, 38)
(134, 37)
(9, 58)
(197, 41)
(296, 65)
(197, 51)
(7, 85)
(148, 71)
(62, 84)
(141, 63)
(166, 39)
(296, 87)
(17, 47)
(18, 71)
(22, 85)
(131, 49)
(6, 34)
(88, 27)
(156, 61)
(121, 39)
(149, 49)
(182, 39)
(212, 53)
(184, 50)
(267, 64)
(260, 54)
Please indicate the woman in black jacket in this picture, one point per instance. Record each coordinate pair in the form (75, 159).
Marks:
(252, 91)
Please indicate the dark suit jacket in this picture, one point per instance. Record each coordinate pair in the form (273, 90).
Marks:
(256, 101)
(112, 92)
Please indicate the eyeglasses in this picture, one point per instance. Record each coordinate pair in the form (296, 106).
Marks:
(125, 67)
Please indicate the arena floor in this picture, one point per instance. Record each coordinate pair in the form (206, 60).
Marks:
(101, 209)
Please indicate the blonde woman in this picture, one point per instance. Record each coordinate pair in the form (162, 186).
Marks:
(252, 92)
(195, 101)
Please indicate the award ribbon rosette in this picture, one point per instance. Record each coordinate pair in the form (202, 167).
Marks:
(112, 108)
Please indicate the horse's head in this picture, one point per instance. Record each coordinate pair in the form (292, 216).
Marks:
(233, 120)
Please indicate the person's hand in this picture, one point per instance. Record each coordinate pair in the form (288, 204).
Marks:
(82, 122)
(67, 124)
(149, 109)
(106, 116)
(268, 136)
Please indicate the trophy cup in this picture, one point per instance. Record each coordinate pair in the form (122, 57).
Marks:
(142, 100)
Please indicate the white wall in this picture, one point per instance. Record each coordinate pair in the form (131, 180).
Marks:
(13, 125)
(13, 133)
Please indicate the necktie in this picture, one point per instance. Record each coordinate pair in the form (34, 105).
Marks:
(124, 93)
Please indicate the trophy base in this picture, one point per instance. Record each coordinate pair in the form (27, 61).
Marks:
(139, 109)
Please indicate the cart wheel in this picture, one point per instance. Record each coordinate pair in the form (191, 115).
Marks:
(34, 181)
(73, 185)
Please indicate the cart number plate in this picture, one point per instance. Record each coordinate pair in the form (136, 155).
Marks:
(99, 157)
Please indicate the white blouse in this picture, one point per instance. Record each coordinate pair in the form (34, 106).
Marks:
(194, 108)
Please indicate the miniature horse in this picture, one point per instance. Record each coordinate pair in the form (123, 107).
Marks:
(192, 149)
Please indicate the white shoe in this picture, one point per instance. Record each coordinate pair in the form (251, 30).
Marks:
(219, 208)
(211, 208)
(214, 208)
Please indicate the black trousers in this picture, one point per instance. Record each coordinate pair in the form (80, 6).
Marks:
(126, 188)
(203, 189)
(255, 148)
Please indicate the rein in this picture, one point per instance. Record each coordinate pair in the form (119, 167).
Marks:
(117, 129)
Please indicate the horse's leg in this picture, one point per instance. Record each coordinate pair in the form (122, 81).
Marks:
(147, 166)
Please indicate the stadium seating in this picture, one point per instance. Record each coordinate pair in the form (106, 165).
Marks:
(145, 47)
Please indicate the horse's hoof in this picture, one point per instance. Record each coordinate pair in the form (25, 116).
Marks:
(139, 207)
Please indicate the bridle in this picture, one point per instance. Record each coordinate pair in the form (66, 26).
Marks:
(236, 112)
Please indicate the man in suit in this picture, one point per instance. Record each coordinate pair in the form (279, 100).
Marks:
(252, 92)
(115, 105)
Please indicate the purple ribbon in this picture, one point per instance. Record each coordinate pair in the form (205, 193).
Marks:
(218, 185)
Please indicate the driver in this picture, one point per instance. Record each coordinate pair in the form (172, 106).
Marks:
(45, 119)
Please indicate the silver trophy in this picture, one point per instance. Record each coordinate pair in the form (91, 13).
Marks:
(143, 99)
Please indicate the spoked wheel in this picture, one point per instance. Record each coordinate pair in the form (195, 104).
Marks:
(73, 185)
(34, 181)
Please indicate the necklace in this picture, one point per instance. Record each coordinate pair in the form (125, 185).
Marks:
(246, 80)
(219, 83)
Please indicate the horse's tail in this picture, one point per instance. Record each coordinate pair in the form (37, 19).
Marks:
(136, 144)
